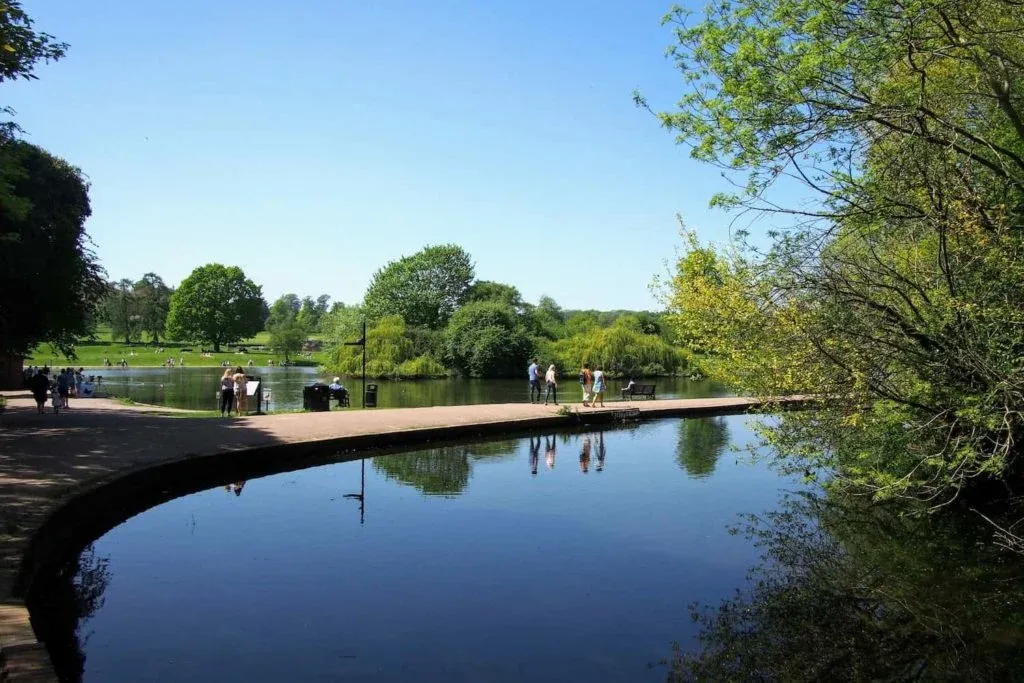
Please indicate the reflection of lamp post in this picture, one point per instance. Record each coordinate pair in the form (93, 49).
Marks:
(361, 496)
(362, 342)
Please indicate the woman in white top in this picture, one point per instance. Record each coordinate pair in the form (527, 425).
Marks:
(552, 390)
(598, 388)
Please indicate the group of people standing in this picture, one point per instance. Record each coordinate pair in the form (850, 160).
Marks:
(592, 383)
(232, 392)
(61, 387)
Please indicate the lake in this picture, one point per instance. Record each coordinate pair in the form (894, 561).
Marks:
(568, 556)
(198, 388)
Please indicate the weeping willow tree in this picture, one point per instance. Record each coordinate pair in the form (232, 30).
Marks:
(442, 471)
(623, 349)
(892, 290)
(390, 352)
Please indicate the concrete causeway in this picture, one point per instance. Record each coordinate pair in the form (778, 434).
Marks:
(49, 461)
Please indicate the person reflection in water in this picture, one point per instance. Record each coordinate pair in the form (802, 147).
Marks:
(549, 455)
(600, 451)
(534, 455)
(585, 454)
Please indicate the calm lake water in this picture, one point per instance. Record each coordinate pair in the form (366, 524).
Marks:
(560, 558)
(197, 388)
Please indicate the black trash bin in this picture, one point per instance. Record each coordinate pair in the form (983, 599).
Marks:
(371, 396)
(316, 397)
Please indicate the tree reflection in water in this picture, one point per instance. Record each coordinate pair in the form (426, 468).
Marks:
(69, 597)
(849, 591)
(702, 441)
(441, 471)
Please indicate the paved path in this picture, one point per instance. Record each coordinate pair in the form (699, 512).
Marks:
(47, 459)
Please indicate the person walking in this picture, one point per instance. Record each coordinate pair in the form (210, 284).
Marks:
(227, 393)
(63, 388)
(240, 397)
(598, 388)
(38, 384)
(552, 385)
(533, 372)
(587, 382)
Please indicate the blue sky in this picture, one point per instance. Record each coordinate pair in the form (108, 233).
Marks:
(310, 142)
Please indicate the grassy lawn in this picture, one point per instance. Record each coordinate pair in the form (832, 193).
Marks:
(142, 354)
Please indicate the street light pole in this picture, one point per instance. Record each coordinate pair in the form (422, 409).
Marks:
(362, 342)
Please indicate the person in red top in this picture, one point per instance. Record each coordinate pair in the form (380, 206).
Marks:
(587, 382)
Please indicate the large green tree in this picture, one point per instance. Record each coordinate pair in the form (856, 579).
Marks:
(154, 301)
(895, 294)
(122, 311)
(215, 305)
(287, 331)
(487, 339)
(50, 281)
(424, 289)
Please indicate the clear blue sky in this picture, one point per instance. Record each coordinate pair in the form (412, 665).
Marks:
(311, 141)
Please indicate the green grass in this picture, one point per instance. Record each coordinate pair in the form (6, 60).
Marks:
(147, 354)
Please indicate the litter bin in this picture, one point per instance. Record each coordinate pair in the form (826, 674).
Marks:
(316, 397)
(371, 396)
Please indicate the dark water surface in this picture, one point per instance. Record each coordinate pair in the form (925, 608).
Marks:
(197, 388)
(565, 557)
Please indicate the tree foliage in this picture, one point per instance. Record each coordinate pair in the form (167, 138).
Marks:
(895, 296)
(50, 281)
(215, 305)
(390, 353)
(21, 48)
(424, 289)
(487, 339)
(287, 331)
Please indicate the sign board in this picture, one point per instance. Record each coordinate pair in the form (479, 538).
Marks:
(251, 387)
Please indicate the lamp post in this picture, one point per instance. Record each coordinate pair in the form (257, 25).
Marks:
(361, 496)
(362, 342)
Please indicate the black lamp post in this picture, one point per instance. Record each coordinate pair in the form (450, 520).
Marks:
(362, 342)
(361, 496)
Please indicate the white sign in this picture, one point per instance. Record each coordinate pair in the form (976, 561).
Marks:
(250, 387)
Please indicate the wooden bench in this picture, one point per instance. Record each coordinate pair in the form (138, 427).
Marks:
(644, 390)
(341, 395)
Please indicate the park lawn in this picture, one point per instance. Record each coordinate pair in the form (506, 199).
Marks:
(146, 354)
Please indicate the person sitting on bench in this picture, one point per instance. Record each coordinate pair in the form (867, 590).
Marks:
(338, 391)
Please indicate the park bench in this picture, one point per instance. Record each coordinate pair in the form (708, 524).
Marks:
(341, 395)
(644, 390)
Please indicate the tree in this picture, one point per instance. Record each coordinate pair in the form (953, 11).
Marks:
(286, 308)
(424, 289)
(21, 48)
(487, 339)
(288, 338)
(487, 290)
(50, 281)
(390, 352)
(287, 332)
(122, 311)
(215, 305)
(154, 300)
(311, 312)
(894, 296)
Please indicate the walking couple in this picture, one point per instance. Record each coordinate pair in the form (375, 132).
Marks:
(549, 378)
(593, 385)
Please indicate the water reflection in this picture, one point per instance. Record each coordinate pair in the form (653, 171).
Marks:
(441, 471)
(847, 591)
(701, 443)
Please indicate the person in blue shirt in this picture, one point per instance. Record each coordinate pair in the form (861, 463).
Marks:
(534, 374)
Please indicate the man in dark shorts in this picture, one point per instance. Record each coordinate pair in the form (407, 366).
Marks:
(63, 388)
